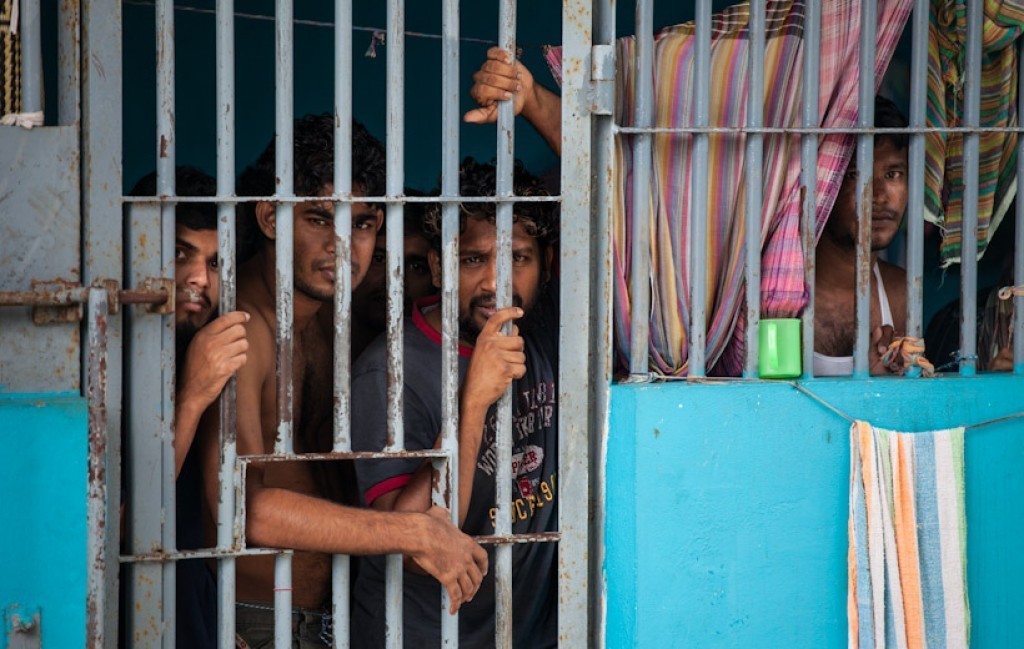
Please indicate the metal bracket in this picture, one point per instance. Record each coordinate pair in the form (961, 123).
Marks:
(63, 308)
(22, 628)
(602, 76)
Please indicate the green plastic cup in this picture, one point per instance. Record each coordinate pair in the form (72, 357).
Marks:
(779, 354)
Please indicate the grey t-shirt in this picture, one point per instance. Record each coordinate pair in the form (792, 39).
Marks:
(534, 489)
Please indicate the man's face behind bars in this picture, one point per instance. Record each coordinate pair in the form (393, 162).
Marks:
(888, 203)
(478, 253)
(314, 242)
(195, 276)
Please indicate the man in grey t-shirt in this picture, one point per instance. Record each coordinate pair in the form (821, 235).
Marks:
(489, 362)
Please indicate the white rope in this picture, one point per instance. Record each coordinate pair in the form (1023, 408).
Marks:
(24, 120)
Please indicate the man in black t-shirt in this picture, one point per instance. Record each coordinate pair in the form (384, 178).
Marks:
(489, 362)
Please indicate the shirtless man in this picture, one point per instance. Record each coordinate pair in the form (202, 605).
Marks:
(835, 324)
(284, 508)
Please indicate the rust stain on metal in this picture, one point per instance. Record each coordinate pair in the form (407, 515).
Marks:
(163, 146)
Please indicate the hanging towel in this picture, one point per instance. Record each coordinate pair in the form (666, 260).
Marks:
(997, 152)
(783, 290)
(907, 563)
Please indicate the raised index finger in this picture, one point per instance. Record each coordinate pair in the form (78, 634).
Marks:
(500, 317)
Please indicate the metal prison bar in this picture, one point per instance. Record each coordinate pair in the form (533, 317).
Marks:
(153, 557)
(809, 131)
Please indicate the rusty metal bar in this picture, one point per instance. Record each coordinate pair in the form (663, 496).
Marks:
(969, 230)
(915, 175)
(754, 183)
(228, 484)
(187, 555)
(809, 172)
(697, 225)
(640, 248)
(446, 490)
(503, 298)
(284, 223)
(165, 183)
(99, 594)
(343, 198)
(575, 371)
(865, 169)
(395, 182)
(284, 288)
(80, 295)
(341, 565)
(341, 455)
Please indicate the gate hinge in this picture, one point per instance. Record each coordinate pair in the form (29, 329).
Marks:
(61, 301)
(602, 78)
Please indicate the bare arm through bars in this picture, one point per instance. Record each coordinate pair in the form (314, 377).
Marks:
(283, 518)
(499, 80)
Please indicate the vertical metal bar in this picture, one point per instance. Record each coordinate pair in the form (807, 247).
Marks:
(915, 175)
(969, 236)
(228, 483)
(30, 33)
(395, 222)
(446, 491)
(865, 171)
(102, 239)
(640, 249)
(698, 232)
(574, 396)
(602, 344)
(98, 542)
(284, 285)
(284, 223)
(341, 567)
(503, 295)
(809, 171)
(755, 182)
(165, 174)
(1018, 248)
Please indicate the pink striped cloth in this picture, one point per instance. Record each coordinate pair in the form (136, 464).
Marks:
(783, 289)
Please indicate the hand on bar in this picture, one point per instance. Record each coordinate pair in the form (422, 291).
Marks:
(451, 557)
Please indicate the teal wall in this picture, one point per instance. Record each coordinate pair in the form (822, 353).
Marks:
(727, 508)
(43, 537)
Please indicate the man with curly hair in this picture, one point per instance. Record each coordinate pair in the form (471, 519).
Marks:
(490, 361)
(285, 507)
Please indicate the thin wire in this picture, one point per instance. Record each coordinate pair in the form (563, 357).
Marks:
(322, 23)
(847, 417)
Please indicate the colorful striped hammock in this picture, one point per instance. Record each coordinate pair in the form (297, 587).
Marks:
(783, 290)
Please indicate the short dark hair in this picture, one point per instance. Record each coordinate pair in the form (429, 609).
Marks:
(188, 181)
(478, 179)
(887, 115)
(313, 163)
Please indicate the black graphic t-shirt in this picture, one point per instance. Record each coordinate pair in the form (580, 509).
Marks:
(534, 488)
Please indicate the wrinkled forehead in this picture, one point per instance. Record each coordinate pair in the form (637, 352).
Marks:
(203, 241)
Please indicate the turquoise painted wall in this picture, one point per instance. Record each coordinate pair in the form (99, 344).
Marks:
(43, 534)
(727, 508)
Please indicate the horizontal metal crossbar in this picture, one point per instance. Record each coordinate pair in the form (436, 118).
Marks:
(342, 455)
(449, 200)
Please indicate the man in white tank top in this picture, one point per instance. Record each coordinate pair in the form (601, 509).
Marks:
(836, 254)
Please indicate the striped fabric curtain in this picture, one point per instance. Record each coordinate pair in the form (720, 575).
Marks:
(997, 159)
(784, 292)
